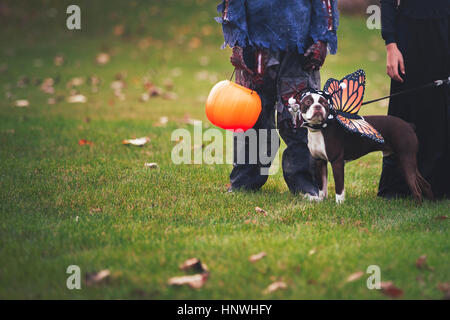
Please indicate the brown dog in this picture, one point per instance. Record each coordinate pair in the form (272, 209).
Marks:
(330, 142)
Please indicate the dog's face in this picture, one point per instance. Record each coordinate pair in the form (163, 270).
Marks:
(314, 108)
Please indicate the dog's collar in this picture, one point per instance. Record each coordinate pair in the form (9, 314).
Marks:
(318, 126)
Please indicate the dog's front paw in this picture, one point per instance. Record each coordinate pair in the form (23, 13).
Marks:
(311, 197)
(323, 194)
(340, 198)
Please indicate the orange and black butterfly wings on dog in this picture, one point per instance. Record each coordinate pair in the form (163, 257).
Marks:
(347, 94)
(360, 126)
(347, 97)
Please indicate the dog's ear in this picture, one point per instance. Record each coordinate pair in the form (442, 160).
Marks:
(301, 94)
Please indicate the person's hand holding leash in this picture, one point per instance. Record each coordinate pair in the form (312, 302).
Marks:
(394, 62)
(315, 55)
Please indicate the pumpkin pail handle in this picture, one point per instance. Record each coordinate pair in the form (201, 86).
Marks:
(232, 74)
(231, 79)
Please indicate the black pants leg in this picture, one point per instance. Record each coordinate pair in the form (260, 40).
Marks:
(297, 163)
(252, 173)
(283, 79)
(425, 45)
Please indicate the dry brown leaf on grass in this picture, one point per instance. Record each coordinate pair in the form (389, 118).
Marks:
(162, 122)
(119, 30)
(195, 281)
(95, 210)
(58, 60)
(136, 142)
(421, 263)
(47, 86)
(97, 277)
(22, 103)
(260, 210)
(389, 289)
(83, 142)
(354, 276)
(77, 98)
(257, 257)
(195, 265)
(102, 58)
(277, 285)
(75, 82)
(445, 289)
(194, 43)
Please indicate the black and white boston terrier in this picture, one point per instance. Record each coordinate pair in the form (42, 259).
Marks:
(328, 141)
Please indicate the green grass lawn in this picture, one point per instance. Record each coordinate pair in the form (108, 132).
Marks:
(98, 207)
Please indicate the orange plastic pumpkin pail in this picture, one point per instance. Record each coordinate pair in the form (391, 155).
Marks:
(233, 107)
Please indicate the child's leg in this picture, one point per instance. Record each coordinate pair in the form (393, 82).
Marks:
(251, 162)
(298, 165)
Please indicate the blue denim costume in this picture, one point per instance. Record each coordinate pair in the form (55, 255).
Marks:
(275, 34)
(279, 25)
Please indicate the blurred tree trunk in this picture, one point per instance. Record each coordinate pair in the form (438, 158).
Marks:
(355, 6)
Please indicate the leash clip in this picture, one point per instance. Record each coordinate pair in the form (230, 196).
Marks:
(441, 82)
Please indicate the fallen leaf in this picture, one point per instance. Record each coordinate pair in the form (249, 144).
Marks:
(102, 58)
(152, 165)
(47, 86)
(421, 262)
(163, 120)
(170, 96)
(444, 287)
(354, 276)
(83, 142)
(311, 252)
(154, 91)
(136, 142)
(195, 281)
(259, 210)
(194, 43)
(119, 30)
(97, 277)
(77, 98)
(145, 97)
(22, 103)
(389, 289)
(118, 85)
(257, 257)
(58, 60)
(275, 286)
(194, 264)
(75, 82)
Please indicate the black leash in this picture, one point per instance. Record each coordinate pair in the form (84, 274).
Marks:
(435, 83)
